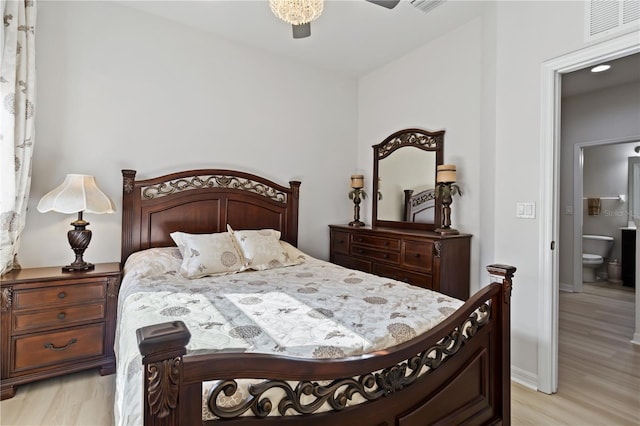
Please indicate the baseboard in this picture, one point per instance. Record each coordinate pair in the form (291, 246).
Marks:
(636, 339)
(525, 378)
(566, 287)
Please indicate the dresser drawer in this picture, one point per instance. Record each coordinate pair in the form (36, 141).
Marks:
(386, 256)
(350, 262)
(340, 242)
(52, 296)
(52, 348)
(417, 255)
(380, 242)
(63, 316)
(420, 280)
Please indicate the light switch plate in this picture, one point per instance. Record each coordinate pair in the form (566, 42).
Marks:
(526, 210)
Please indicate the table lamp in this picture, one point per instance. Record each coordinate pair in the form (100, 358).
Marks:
(77, 194)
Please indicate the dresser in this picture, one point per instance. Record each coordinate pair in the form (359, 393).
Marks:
(54, 323)
(421, 258)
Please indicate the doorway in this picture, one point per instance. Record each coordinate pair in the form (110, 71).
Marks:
(549, 208)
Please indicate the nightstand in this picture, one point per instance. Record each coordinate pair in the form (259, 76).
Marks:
(55, 322)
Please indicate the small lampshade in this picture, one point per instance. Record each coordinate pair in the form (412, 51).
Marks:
(357, 181)
(446, 173)
(78, 193)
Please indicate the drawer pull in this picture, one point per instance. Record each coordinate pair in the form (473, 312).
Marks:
(416, 255)
(359, 240)
(360, 251)
(62, 348)
(386, 256)
(61, 295)
(386, 243)
(61, 315)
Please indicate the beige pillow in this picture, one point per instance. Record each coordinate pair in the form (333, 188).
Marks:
(261, 249)
(207, 254)
(294, 255)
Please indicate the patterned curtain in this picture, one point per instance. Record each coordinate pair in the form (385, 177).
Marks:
(17, 94)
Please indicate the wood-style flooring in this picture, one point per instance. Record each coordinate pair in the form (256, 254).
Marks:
(599, 375)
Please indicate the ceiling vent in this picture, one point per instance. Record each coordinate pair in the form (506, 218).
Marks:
(426, 5)
(606, 17)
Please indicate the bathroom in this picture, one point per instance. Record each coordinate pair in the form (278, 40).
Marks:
(606, 212)
(600, 133)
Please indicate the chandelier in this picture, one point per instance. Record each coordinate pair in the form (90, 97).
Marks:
(297, 12)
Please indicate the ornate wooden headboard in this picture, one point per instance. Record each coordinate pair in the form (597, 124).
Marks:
(203, 201)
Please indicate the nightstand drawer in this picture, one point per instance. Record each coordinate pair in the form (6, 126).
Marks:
(64, 316)
(417, 255)
(380, 242)
(52, 348)
(51, 296)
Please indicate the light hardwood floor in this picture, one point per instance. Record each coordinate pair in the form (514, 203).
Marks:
(599, 375)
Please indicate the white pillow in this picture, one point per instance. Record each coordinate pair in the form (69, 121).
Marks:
(207, 254)
(261, 249)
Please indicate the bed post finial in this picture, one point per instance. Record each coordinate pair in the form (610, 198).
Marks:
(503, 275)
(162, 347)
(128, 177)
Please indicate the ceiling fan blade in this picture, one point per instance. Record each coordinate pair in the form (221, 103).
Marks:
(302, 30)
(389, 4)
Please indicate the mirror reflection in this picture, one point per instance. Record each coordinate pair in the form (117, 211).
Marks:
(406, 180)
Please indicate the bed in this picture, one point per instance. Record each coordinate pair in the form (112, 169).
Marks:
(443, 361)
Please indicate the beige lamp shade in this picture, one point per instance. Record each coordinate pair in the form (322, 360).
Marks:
(446, 173)
(78, 193)
(357, 181)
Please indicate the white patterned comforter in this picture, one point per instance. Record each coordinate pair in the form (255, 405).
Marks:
(315, 310)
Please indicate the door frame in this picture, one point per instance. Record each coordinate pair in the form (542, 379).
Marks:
(550, 188)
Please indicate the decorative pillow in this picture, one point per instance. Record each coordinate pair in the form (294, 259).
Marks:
(153, 261)
(261, 249)
(207, 254)
(294, 255)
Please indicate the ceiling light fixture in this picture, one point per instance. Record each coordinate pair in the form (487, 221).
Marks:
(600, 68)
(297, 12)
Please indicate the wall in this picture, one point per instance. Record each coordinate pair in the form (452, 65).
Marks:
(602, 115)
(118, 88)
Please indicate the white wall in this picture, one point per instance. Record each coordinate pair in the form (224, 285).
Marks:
(118, 88)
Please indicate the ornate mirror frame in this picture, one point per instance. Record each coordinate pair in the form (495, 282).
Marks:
(416, 138)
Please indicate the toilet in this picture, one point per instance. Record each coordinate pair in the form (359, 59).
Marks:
(595, 249)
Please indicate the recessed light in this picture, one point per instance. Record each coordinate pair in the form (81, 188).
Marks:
(600, 68)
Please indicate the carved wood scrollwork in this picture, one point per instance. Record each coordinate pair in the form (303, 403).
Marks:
(113, 287)
(416, 139)
(127, 184)
(162, 385)
(6, 298)
(339, 392)
(214, 181)
(437, 247)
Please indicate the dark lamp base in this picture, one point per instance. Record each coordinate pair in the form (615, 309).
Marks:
(447, 231)
(79, 268)
(356, 223)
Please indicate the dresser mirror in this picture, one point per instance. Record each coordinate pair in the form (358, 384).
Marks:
(404, 178)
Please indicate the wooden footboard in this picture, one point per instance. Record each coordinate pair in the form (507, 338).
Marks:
(459, 372)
